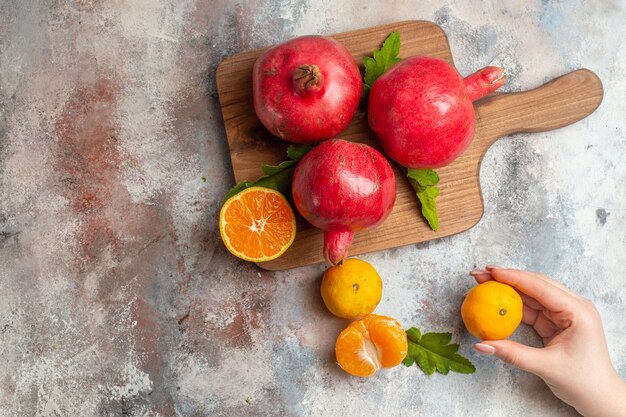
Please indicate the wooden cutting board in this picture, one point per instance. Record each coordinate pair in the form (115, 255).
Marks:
(558, 103)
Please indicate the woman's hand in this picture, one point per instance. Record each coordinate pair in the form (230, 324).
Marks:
(574, 361)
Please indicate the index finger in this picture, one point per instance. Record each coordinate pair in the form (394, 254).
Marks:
(551, 297)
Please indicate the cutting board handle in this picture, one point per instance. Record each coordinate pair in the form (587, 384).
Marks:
(558, 103)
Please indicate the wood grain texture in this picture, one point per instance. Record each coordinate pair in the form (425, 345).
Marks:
(557, 103)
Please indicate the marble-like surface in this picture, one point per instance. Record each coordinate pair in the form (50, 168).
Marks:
(117, 297)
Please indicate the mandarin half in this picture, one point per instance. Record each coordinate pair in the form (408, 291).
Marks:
(257, 224)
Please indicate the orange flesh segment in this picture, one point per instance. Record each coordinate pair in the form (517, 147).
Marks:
(353, 355)
(389, 338)
(257, 224)
(368, 344)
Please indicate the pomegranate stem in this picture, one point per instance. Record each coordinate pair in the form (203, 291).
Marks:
(336, 244)
(483, 82)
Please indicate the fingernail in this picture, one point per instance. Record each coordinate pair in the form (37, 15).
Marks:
(484, 349)
(479, 272)
(490, 267)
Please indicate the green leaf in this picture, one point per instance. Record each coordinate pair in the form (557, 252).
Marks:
(414, 334)
(296, 152)
(382, 60)
(277, 177)
(435, 339)
(433, 352)
(425, 177)
(273, 169)
(427, 198)
(279, 181)
(237, 189)
(424, 182)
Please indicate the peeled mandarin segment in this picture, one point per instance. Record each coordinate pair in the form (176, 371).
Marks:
(353, 355)
(368, 344)
(257, 224)
(389, 338)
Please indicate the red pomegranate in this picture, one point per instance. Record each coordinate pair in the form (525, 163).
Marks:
(422, 112)
(307, 89)
(343, 187)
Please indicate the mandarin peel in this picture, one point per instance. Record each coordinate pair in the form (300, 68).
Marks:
(492, 310)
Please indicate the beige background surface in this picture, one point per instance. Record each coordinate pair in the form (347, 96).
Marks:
(117, 297)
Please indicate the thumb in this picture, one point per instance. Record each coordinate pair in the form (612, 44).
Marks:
(524, 357)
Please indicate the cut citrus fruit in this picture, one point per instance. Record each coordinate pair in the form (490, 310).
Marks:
(257, 224)
(351, 289)
(492, 310)
(369, 344)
